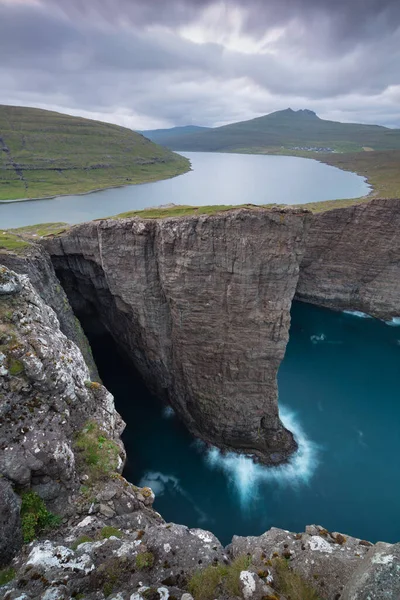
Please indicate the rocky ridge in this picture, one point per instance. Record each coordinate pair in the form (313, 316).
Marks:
(111, 543)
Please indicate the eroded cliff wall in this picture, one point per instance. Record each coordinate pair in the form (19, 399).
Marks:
(352, 259)
(35, 262)
(202, 306)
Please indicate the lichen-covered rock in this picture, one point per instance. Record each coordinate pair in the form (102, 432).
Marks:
(324, 559)
(9, 283)
(377, 576)
(160, 559)
(46, 398)
(202, 306)
(35, 262)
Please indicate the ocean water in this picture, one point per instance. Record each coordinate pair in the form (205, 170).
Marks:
(339, 394)
(216, 178)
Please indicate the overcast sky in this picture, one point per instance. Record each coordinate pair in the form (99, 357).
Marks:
(159, 63)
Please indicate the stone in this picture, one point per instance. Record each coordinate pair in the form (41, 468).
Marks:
(377, 576)
(10, 524)
(316, 555)
(9, 283)
(106, 511)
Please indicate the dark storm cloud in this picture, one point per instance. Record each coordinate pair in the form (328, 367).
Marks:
(128, 60)
(348, 19)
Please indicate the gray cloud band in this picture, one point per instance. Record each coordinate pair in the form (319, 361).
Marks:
(108, 57)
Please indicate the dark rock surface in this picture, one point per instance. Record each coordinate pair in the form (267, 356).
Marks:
(35, 262)
(202, 307)
(10, 527)
(352, 259)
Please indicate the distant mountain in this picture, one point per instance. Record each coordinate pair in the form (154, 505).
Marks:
(165, 137)
(288, 130)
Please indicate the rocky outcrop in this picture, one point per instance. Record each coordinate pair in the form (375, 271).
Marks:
(46, 398)
(35, 262)
(352, 259)
(163, 561)
(202, 307)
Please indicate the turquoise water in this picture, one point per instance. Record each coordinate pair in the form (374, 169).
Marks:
(339, 393)
(215, 179)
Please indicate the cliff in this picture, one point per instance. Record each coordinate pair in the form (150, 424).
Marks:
(60, 443)
(352, 259)
(202, 305)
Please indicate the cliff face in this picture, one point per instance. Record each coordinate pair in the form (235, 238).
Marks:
(35, 262)
(352, 259)
(46, 397)
(202, 306)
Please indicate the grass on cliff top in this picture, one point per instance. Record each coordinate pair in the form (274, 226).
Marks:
(44, 154)
(18, 240)
(183, 211)
(11, 242)
(40, 230)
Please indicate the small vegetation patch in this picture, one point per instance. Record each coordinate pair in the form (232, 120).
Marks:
(6, 575)
(92, 385)
(217, 580)
(108, 532)
(97, 453)
(35, 517)
(144, 560)
(12, 242)
(15, 367)
(291, 584)
(41, 230)
(83, 539)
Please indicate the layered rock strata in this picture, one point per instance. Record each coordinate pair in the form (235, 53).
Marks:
(202, 307)
(352, 259)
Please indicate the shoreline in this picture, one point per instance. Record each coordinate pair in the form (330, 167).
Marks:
(373, 192)
(110, 187)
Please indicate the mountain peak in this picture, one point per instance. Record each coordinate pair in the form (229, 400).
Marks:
(304, 112)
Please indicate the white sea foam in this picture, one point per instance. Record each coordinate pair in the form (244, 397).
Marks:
(246, 475)
(168, 412)
(395, 322)
(357, 313)
(159, 482)
(315, 339)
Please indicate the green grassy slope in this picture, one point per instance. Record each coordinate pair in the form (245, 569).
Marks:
(44, 153)
(289, 130)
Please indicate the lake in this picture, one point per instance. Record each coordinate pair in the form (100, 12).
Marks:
(216, 178)
(339, 389)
